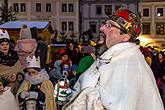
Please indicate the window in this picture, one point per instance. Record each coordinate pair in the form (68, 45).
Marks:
(146, 28)
(117, 7)
(48, 7)
(159, 11)
(64, 26)
(64, 7)
(93, 26)
(23, 7)
(160, 29)
(38, 7)
(145, 12)
(108, 9)
(70, 7)
(71, 26)
(98, 10)
(15, 6)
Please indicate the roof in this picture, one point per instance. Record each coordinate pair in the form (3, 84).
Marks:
(30, 24)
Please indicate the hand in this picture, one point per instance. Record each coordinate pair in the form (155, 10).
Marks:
(60, 61)
(11, 77)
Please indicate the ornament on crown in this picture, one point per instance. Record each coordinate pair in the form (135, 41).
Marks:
(4, 34)
(33, 62)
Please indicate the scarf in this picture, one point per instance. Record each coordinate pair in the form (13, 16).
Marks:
(40, 77)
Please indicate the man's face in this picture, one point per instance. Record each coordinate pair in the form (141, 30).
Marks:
(109, 36)
(112, 32)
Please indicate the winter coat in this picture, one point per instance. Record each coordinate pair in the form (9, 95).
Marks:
(24, 48)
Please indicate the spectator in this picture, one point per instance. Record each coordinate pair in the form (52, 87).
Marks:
(25, 45)
(37, 90)
(9, 62)
(41, 51)
(7, 99)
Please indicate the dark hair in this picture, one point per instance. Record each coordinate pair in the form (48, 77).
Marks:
(37, 69)
(4, 40)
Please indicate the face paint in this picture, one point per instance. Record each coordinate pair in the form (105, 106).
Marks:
(101, 46)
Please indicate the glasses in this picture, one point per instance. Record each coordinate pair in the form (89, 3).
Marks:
(110, 24)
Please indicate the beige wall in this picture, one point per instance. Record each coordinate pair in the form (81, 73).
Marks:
(153, 19)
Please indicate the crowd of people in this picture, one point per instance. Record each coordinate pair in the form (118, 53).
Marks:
(115, 74)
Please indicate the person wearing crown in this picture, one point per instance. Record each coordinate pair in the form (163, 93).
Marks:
(9, 62)
(120, 78)
(36, 92)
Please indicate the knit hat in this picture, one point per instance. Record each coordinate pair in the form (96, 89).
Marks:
(25, 32)
(63, 52)
(129, 22)
(4, 36)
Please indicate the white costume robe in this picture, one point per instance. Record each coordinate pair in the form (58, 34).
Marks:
(7, 100)
(126, 81)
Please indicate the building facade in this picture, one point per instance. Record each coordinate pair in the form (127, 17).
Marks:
(94, 12)
(153, 19)
(63, 14)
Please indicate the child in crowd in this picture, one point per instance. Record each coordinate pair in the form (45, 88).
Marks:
(7, 99)
(25, 45)
(36, 92)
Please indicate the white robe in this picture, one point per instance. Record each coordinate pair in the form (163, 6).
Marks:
(7, 100)
(126, 80)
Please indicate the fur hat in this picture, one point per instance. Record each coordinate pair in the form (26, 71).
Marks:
(4, 36)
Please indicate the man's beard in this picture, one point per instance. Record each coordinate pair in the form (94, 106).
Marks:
(101, 46)
(100, 49)
(39, 78)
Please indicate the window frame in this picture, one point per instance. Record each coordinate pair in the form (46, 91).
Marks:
(145, 14)
(159, 9)
(16, 7)
(158, 30)
(64, 25)
(64, 7)
(108, 9)
(147, 30)
(38, 7)
(48, 7)
(22, 7)
(98, 12)
(70, 7)
(71, 26)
